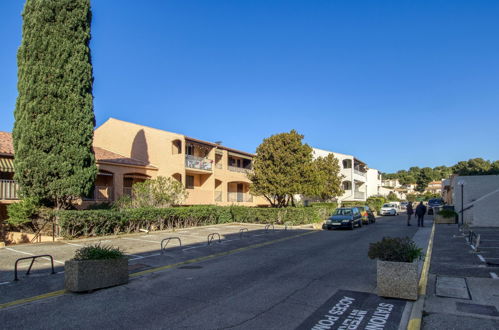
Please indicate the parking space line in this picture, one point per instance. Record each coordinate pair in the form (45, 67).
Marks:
(142, 240)
(3, 283)
(31, 254)
(481, 258)
(494, 276)
(73, 244)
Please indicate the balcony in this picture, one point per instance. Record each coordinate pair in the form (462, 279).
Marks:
(236, 197)
(359, 195)
(239, 169)
(198, 163)
(9, 189)
(360, 173)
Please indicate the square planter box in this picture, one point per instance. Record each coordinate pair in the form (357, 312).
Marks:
(441, 219)
(87, 275)
(398, 279)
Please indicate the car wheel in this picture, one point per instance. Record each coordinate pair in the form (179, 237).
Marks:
(352, 226)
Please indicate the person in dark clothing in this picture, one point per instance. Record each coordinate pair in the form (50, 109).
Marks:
(410, 212)
(420, 212)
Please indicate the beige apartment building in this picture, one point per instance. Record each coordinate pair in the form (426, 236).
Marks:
(212, 173)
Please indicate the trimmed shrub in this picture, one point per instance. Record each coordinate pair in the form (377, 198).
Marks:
(395, 249)
(101, 222)
(98, 252)
(447, 213)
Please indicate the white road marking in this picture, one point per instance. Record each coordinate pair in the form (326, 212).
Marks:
(31, 254)
(143, 240)
(492, 258)
(73, 244)
(3, 283)
(494, 276)
(489, 247)
(481, 258)
(193, 247)
(143, 257)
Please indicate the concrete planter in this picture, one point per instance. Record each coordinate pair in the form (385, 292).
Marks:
(440, 219)
(87, 275)
(398, 279)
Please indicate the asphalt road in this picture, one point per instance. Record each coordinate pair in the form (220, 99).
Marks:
(276, 286)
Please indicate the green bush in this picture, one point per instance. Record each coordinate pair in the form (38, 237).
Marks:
(395, 249)
(102, 222)
(23, 212)
(98, 252)
(376, 202)
(447, 213)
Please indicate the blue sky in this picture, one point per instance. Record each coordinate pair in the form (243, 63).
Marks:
(395, 83)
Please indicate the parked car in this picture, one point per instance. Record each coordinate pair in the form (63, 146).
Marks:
(367, 214)
(435, 202)
(344, 217)
(403, 206)
(389, 209)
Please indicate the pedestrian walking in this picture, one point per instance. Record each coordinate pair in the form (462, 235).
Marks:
(410, 212)
(420, 212)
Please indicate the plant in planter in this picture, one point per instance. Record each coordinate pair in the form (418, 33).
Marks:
(95, 267)
(397, 267)
(446, 216)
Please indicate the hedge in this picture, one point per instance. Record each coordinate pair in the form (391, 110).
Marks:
(101, 222)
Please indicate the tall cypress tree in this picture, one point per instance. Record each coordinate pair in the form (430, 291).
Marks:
(54, 118)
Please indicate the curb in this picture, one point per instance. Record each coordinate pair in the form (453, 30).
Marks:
(417, 307)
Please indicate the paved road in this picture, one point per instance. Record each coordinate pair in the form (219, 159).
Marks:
(276, 286)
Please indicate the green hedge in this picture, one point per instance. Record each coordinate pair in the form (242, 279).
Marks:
(101, 222)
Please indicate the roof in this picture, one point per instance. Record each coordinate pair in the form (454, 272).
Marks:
(189, 138)
(6, 145)
(101, 155)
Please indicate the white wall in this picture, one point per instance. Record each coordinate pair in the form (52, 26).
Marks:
(373, 182)
(476, 188)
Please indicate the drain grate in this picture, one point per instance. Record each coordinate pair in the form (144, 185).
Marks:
(190, 267)
(477, 309)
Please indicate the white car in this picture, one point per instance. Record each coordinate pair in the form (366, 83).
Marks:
(389, 209)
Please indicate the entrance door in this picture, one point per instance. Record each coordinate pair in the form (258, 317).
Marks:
(240, 190)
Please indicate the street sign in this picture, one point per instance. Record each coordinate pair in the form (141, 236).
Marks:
(356, 310)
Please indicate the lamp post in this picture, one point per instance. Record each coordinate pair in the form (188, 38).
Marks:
(461, 183)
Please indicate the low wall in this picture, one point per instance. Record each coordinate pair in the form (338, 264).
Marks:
(14, 237)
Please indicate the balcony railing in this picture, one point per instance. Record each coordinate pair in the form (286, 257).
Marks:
(218, 196)
(219, 165)
(9, 189)
(236, 197)
(359, 195)
(198, 163)
(359, 173)
(239, 169)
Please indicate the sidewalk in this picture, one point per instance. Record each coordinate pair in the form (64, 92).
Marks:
(461, 292)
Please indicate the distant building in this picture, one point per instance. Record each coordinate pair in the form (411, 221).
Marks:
(434, 187)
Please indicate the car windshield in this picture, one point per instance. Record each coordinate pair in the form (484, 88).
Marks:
(343, 212)
(388, 205)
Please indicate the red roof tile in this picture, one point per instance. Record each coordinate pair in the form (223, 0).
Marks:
(101, 154)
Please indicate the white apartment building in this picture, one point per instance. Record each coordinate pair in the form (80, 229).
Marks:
(359, 182)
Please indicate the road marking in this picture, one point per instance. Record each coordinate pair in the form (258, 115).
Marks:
(31, 254)
(3, 283)
(492, 258)
(415, 320)
(494, 276)
(191, 261)
(143, 257)
(220, 254)
(481, 258)
(73, 244)
(489, 247)
(143, 240)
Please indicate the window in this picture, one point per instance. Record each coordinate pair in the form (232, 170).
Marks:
(189, 150)
(189, 182)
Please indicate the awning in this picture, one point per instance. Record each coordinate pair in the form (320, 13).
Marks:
(6, 165)
(239, 155)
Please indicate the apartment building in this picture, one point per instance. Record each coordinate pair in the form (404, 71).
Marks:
(355, 175)
(435, 187)
(212, 173)
(127, 153)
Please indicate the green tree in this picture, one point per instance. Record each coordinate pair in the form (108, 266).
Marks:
(327, 183)
(475, 166)
(157, 193)
(282, 168)
(424, 178)
(54, 118)
(392, 197)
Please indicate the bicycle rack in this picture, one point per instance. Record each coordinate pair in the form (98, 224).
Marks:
(211, 238)
(474, 240)
(241, 232)
(168, 241)
(31, 264)
(267, 227)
